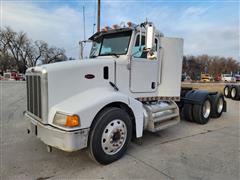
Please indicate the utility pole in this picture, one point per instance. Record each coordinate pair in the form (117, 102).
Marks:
(84, 30)
(98, 17)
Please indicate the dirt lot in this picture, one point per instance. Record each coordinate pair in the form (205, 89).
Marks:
(186, 151)
(207, 86)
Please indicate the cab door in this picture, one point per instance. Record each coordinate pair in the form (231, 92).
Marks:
(144, 75)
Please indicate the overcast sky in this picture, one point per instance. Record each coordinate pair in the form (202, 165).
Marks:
(208, 27)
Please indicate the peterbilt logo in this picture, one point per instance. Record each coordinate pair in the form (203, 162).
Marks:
(89, 76)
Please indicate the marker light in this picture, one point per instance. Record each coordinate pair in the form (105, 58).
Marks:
(72, 121)
(44, 71)
(129, 24)
(115, 26)
(104, 29)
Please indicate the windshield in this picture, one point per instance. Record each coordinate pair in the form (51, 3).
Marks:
(111, 44)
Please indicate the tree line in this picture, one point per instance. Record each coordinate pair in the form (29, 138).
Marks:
(19, 52)
(213, 65)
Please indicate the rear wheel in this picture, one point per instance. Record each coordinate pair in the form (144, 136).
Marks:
(187, 107)
(235, 92)
(110, 135)
(226, 91)
(217, 102)
(201, 113)
(187, 112)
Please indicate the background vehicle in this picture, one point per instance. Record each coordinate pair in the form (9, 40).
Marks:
(237, 76)
(14, 75)
(205, 78)
(188, 79)
(127, 86)
(7, 76)
(21, 77)
(228, 78)
(218, 77)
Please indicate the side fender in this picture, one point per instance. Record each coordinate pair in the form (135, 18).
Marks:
(88, 103)
(137, 108)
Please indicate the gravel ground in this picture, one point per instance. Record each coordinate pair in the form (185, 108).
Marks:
(186, 151)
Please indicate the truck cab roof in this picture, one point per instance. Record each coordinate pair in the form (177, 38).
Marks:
(108, 30)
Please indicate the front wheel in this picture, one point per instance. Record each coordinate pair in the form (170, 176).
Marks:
(110, 135)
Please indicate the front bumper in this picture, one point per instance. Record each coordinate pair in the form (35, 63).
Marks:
(64, 140)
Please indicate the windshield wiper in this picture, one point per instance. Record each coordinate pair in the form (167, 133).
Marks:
(109, 54)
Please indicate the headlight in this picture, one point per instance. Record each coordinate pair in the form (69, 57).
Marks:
(65, 120)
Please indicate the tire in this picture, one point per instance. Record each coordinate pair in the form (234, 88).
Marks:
(235, 92)
(201, 113)
(217, 103)
(187, 107)
(226, 91)
(187, 112)
(110, 135)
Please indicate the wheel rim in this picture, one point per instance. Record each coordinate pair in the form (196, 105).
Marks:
(220, 105)
(114, 136)
(226, 91)
(206, 109)
(233, 92)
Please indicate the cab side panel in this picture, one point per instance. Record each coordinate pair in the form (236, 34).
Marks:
(171, 53)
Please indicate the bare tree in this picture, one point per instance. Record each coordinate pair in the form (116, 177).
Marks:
(38, 51)
(54, 54)
(26, 53)
(214, 65)
(6, 62)
(16, 45)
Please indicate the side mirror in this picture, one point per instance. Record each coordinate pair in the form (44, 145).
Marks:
(150, 36)
(82, 45)
(81, 50)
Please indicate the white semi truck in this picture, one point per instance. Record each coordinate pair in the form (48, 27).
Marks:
(130, 83)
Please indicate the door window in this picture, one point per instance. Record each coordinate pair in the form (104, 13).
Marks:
(138, 49)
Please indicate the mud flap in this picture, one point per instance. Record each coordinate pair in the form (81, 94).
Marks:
(224, 106)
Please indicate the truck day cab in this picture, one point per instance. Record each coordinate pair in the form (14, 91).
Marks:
(130, 83)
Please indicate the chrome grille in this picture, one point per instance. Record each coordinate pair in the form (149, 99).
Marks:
(34, 99)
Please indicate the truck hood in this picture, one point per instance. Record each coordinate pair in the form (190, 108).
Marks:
(69, 78)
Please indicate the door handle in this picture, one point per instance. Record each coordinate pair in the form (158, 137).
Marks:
(153, 85)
